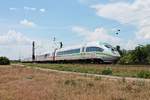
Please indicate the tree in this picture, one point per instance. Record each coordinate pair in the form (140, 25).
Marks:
(141, 55)
(4, 61)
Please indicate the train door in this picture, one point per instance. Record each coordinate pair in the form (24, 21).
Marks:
(82, 52)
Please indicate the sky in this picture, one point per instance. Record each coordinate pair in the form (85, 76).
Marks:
(71, 21)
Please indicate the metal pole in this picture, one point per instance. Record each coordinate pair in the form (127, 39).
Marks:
(54, 54)
(33, 51)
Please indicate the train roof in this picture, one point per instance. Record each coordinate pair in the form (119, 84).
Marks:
(70, 47)
(95, 43)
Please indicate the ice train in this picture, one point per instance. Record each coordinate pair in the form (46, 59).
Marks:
(95, 52)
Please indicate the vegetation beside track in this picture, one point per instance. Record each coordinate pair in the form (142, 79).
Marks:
(141, 71)
(140, 55)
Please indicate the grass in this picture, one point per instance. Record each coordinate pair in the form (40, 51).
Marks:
(144, 74)
(20, 83)
(107, 71)
(117, 70)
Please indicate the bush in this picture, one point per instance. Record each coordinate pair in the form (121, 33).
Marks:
(4, 61)
(107, 71)
(144, 74)
(148, 59)
(140, 55)
(70, 82)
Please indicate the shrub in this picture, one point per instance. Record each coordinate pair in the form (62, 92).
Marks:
(123, 79)
(90, 84)
(148, 59)
(107, 71)
(143, 74)
(70, 82)
(97, 78)
(4, 61)
(140, 55)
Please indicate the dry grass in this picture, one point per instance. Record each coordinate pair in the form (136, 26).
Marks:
(18, 83)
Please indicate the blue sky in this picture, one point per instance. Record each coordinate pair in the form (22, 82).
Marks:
(71, 21)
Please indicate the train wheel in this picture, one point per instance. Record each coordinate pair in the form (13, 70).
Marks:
(99, 61)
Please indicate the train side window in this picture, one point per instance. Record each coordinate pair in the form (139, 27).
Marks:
(92, 49)
(68, 52)
(46, 55)
(60, 53)
(72, 51)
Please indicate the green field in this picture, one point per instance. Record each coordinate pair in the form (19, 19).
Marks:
(142, 71)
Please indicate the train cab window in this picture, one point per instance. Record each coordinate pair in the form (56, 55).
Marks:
(92, 49)
(108, 46)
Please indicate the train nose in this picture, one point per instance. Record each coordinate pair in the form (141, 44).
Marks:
(115, 53)
(115, 56)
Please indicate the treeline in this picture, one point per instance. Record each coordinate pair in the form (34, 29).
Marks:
(4, 61)
(140, 55)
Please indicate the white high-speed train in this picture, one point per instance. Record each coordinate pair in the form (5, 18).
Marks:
(91, 52)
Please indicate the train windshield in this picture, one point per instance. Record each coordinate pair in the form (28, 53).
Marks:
(108, 46)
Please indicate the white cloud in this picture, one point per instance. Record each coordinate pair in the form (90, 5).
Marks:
(12, 9)
(14, 38)
(135, 13)
(118, 0)
(88, 1)
(131, 44)
(42, 10)
(99, 34)
(16, 45)
(27, 23)
(29, 8)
